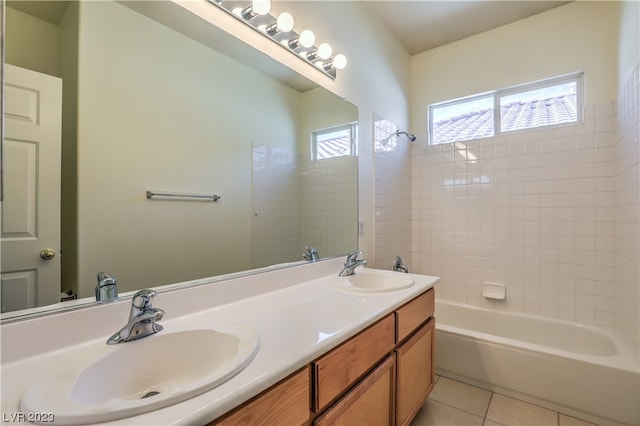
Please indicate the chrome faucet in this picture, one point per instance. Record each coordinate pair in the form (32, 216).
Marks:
(399, 266)
(352, 263)
(311, 255)
(142, 319)
(106, 290)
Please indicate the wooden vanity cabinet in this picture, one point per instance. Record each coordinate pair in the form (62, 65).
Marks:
(285, 403)
(409, 365)
(381, 376)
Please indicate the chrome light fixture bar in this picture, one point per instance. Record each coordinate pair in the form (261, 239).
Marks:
(280, 29)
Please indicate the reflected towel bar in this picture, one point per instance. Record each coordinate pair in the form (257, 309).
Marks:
(193, 197)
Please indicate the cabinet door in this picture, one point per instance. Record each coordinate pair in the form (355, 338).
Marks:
(286, 403)
(416, 373)
(369, 403)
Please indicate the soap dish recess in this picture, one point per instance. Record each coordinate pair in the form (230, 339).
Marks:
(495, 291)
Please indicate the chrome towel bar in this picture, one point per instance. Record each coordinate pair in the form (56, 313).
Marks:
(182, 196)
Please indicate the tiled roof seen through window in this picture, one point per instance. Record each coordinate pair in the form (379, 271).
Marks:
(515, 116)
(540, 112)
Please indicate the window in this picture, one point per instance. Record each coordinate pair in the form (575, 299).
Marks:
(546, 103)
(338, 141)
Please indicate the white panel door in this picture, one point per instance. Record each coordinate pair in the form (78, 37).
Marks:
(31, 206)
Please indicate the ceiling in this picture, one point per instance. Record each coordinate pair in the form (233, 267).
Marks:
(419, 25)
(425, 24)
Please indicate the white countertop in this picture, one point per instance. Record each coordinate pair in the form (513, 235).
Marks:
(296, 322)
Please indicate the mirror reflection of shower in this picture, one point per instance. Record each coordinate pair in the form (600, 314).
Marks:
(392, 198)
(410, 136)
(397, 134)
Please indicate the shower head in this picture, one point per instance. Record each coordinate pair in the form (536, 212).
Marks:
(411, 136)
(386, 140)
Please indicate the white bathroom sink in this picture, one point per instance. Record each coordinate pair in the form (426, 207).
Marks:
(372, 280)
(144, 375)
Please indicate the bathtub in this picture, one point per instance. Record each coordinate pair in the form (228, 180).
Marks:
(576, 369)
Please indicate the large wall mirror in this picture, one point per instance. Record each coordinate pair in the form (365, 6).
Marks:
(140, 106)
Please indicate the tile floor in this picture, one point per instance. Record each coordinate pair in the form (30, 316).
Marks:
(453, 403)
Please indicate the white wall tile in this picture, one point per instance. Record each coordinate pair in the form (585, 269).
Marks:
(555, 217)
(536, 222)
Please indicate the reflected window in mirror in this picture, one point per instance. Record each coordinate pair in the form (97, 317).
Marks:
(337, 141)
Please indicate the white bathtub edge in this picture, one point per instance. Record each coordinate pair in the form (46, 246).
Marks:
(624, 361)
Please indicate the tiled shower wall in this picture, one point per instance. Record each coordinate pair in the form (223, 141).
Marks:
(553, 214)
(298, 204)
(276, 201)
(628, 213)
(330, 205)
(393, 195)
(534, 210)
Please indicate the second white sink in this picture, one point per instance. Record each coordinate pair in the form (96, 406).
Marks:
(373, 280)
(145, 375)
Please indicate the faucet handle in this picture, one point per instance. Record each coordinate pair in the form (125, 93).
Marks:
(311, 254)
(353, 256)
(142, 299)
(106, 290)
(399, 266)
(105, 279)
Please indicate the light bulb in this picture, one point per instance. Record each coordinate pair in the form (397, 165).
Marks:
(324, 51)
(307, 38)
(339, 61)
(260, 7)
(285, 22)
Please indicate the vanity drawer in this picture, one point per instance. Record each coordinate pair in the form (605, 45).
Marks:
(334, 372)
(285, 403)
(414, 313)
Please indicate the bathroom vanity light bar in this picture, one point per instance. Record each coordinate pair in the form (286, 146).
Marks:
(280, 30)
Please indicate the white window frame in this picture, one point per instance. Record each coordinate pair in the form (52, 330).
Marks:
(577, 77)
(353, 146)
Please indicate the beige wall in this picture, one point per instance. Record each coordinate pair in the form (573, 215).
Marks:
(68, 34)
(31, 43)
(628, 40)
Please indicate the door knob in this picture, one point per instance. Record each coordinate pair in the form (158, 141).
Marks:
(47, 254)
